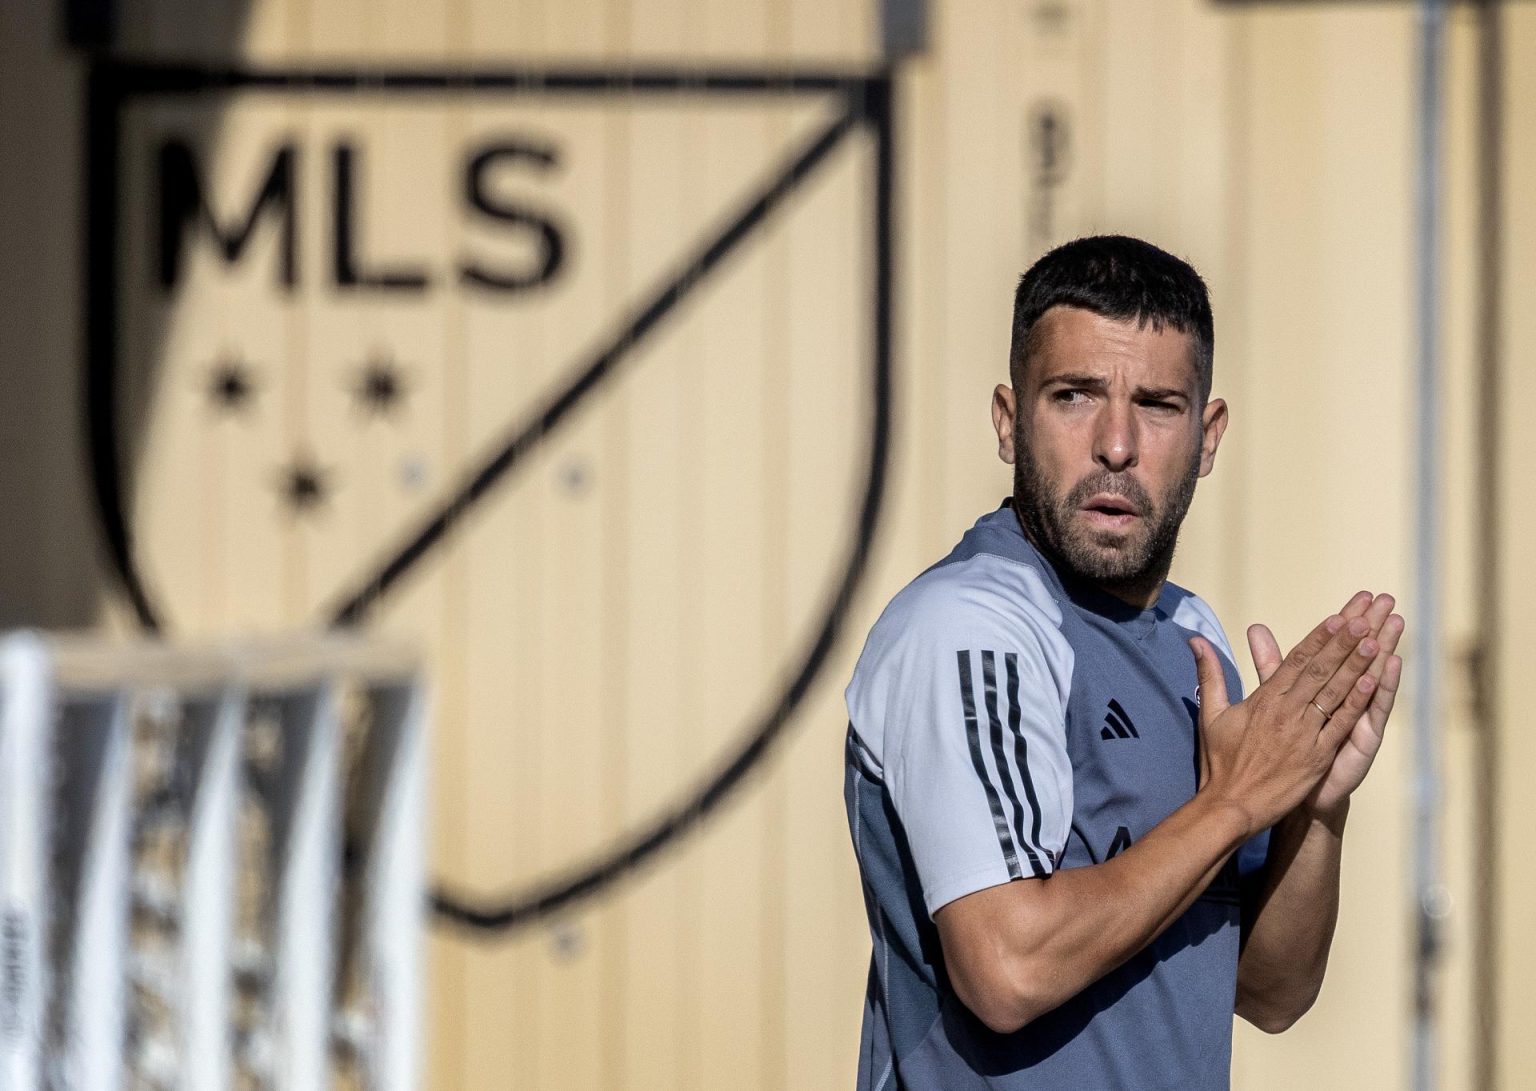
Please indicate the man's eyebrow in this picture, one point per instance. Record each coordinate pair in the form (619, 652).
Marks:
(1076, 380)
(1163, 393)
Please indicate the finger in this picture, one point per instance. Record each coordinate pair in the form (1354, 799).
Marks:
(1386, 693)
(1337, 728)
(1391, 633)
(1357, 605)
(1303, 653)
(1387, 638)
(1378, 611)
(1212, 693)
(1336, 691)
(1264, 649)
(1337, 655)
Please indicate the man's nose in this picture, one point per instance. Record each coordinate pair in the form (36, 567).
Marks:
(1115, 446)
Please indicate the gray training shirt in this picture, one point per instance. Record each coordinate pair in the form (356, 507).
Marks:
(1003, 724)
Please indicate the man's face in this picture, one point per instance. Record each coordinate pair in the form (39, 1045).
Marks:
(1107, 438)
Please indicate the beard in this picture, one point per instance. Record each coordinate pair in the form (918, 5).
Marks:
(1134, 561)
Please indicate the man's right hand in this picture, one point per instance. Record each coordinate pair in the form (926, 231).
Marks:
(1266, 753)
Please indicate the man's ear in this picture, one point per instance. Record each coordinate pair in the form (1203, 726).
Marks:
(1003, 409)
(1213, 422)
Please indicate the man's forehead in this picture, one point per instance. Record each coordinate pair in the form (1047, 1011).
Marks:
(1071, 340)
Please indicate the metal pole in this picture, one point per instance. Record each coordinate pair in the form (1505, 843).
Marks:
(1489, 570)
(1431, 903)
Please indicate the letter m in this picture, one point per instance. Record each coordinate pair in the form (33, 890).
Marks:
(184, 204)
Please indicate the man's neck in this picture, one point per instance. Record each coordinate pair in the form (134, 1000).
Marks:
(1142, 593)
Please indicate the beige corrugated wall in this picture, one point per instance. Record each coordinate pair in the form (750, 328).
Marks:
(604, 625)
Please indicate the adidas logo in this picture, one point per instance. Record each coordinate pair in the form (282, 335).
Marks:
(1117, 723)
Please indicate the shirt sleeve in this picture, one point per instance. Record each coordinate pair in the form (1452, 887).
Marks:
(974, 713)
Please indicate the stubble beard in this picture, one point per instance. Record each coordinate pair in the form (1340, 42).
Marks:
(1133, 564)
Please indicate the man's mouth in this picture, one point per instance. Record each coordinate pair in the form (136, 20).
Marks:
(1110, 510)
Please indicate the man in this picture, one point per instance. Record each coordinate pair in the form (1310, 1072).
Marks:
(1058, 813)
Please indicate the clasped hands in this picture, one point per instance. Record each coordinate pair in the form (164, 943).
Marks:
(1309, 733)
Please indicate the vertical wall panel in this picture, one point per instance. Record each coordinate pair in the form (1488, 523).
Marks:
(512, 361)
(568, 614)
(822, 349)
(616, 584)
(653, 1036)
(726, 962)
(1516, 891)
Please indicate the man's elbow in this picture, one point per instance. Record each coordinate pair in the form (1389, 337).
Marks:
(1004, 1002)
(1275, 1015)
(1001, 1017)
(1271, 1022)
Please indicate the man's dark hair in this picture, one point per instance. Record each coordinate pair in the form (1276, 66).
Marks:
(1117, 277)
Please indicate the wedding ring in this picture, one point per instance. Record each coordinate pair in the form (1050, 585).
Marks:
(1326, 714)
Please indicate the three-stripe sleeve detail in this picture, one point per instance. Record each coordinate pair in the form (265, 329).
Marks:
(973, 734)
(1000, 757)
(1020, 747)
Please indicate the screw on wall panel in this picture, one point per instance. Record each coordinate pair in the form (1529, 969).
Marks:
(568, 941)
(575, 476)
(414, 472)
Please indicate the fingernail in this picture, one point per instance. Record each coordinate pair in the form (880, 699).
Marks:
(1359, 627)
(1334, 624)
(1366, 683)
(1367, 648)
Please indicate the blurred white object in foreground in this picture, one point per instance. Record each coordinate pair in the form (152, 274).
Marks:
(210, 864)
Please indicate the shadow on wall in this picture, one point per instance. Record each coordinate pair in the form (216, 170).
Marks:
(53, 563)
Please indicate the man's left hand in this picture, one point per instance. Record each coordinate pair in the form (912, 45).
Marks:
(1360, 746)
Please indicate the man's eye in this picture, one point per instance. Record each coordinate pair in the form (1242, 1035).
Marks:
(1165, 407)
(1070, 397)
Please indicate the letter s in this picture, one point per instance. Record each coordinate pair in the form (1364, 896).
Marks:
(478, 193)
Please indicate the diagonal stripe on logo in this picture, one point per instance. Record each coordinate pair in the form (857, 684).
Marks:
(1124, 717)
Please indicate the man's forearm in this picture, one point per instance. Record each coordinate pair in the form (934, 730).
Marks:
(1019, 949)
(1081, 923)
(1286, 950)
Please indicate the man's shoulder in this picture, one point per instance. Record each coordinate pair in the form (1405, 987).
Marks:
(987, 595)
(984, 608)
(975, 594)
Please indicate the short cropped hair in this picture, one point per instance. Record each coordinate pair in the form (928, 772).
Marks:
(1121, 278)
